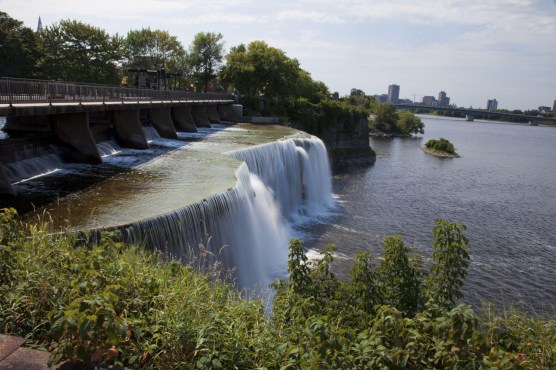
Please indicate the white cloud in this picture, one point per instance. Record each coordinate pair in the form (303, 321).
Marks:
(348, 43)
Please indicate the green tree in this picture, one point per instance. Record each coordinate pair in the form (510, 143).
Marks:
(400, 277)
(75, 51)
(18, 48)
(153, 49)
(386, 117)
(450, 263)
(204, 58)
(260, 70)
(409, 123)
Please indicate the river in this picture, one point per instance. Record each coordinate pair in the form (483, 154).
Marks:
(502, 188)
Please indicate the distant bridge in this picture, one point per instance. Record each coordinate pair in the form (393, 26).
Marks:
(476, 113)
(78, 116)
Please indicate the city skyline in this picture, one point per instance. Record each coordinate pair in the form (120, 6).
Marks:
(474, 50)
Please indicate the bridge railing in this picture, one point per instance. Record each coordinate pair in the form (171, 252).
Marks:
(24, 91)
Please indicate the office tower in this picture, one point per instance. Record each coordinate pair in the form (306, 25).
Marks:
(393, 94)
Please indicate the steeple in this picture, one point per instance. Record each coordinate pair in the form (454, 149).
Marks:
(39, 25)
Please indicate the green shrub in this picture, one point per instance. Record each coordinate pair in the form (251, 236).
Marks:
(111, 303)
(441, 145)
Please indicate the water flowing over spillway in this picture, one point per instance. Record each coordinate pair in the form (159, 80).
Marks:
(228, 195)
(248, 226)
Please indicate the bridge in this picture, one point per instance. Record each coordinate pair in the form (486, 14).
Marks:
(77, 116)
(479, 113)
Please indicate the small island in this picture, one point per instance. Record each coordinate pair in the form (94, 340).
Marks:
(440, 148)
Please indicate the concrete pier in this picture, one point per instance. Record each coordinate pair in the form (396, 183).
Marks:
(199, 113)
(162, 122)
(128, 130)
(73, 130)
(183, 119)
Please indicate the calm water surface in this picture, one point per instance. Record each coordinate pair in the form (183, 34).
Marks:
(502, 188)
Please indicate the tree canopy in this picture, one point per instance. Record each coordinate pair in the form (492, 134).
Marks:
(153, 49)
(18, 48)
(75, 51)
(204, 58)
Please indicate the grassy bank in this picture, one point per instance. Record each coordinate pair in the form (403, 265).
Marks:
(112, 303)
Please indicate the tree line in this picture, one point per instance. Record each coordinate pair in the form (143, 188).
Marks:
(74, 51)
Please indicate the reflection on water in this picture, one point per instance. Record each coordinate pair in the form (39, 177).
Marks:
(502, 189)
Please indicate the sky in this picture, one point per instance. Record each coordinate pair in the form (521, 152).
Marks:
(474, 50)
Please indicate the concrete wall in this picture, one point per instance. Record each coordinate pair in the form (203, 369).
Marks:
(73, 130)
(183, 119)
(162, 122)
(212, 113)
(199, 113)
(128, 129)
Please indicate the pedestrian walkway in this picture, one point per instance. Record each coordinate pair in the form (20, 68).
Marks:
(14, 356)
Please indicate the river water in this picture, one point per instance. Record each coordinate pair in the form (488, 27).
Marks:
(502, 188)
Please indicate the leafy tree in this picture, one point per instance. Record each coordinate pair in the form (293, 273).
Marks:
(18, 48)
(450, 263)
(153, 49)
(399, 276)
(204, 58)
(386, 117)
(75, 51)
(441, 145)
(409, 123)
(260, 70)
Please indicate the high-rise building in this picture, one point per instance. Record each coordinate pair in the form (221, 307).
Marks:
(492, 104)
(443, 100)
(554, 107)
(393, 93)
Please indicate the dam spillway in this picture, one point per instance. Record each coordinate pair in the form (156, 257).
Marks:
(228, 192)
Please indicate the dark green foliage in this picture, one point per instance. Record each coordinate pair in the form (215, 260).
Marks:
(77, 52)
(450, 263)
(399, 278)
(111, 303)
(441, 145)
(18, 48)
(390, 120)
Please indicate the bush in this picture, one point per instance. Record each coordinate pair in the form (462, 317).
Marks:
(441, 145)
(111, 303)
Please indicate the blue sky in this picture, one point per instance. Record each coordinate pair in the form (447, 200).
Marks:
(474, 50)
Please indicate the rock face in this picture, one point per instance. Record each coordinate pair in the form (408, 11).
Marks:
(349, 144)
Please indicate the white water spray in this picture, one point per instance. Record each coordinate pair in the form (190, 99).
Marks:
(248, 227)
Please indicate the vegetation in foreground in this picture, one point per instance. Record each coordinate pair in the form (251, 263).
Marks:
(441, 146)
(111, 303)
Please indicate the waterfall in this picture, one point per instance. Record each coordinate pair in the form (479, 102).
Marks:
(151, 133)
(108, 148)
(32, 162)
(248, 227)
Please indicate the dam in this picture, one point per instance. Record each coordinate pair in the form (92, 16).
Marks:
(226, 194)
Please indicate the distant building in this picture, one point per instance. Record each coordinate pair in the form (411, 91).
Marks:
(383, 98)
(393, 93)
(335, 95)
(429, 101)
(492, 104)
(543, 109)
(554, 107)
(443, 100)
(39, 26)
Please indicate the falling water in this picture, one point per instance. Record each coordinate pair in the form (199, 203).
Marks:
(248, 227)
(32, 163)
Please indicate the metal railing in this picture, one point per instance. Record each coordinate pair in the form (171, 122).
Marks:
(25, 91)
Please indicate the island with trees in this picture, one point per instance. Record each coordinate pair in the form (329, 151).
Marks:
(441, 148)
